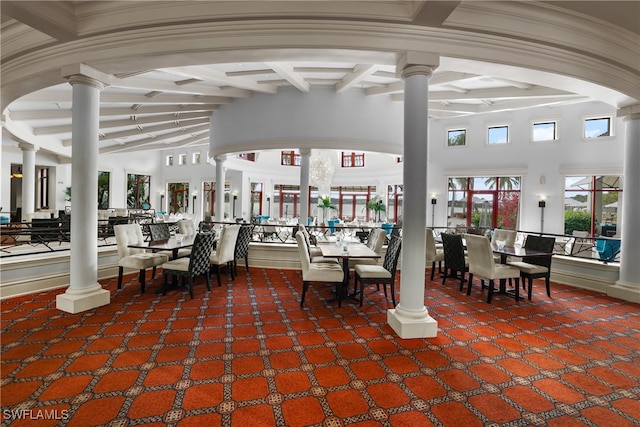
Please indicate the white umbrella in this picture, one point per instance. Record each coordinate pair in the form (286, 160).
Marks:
(573, 203)
(607, 182)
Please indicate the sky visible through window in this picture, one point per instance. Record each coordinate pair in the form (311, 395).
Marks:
(544, 131)
(498, 135)
(595, 128)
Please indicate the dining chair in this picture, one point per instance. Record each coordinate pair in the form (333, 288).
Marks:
(536, 267)
(330, 272)
(160, 231)
(187, 226)
(314, 251)
(225, 251)
(139, 259)
(197, 264)
(507, 236)
(455, 261)
(375, 242)
(482, 264)
(433, 253)
(242, 247)
(384, 274)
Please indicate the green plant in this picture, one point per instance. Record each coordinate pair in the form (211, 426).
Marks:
(67, 194)
(324, 202)
(576, 221)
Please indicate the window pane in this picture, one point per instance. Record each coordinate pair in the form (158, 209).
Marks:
(498, 135)
(456, 137)
(597, 128)
(544, 131)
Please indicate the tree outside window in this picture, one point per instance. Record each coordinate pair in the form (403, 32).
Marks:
(138, 190)
(456, 137)
(103, 190)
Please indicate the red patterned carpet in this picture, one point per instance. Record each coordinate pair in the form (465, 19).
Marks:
(245, 354)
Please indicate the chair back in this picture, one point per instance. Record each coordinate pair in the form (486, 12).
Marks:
(509, 236)
(305, 259)
(243, 240)
(431, 246)
(199, 262)
(540, 243)
(393, 253)
(481, 260)
(159, 231)
(453, 251)
(227, 243)
(186, 226)
(127, 234)
(376, 240)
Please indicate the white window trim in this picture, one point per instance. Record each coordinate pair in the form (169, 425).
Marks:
(455, 128)
(497, 125)
(612, 132)
(182, 159)
(545, 141)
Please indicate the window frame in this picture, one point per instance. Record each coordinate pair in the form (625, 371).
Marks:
(182, 159)
(352, 158)
(607, 117)
(169, 160)
(456, 129)
(196, 158)
(497, 126)
(294, 158)
(544, 122)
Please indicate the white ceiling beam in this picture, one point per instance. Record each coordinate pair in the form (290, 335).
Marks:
(126, 98)
(131, 121)
(140, 130)
(385, 89)
(173, 87)
(360, 73)
(189, 134)
(220, 77)
(285, 70)
(498, 93)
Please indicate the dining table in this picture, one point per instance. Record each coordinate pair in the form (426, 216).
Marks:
(352, 250)
(173, 244)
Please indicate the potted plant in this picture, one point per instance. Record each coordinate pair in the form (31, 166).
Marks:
(324, 202)
(377, 206)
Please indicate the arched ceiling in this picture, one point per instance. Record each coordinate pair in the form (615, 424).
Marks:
(149, 105)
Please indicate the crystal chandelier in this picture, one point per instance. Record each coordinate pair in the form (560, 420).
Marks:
(321, 170)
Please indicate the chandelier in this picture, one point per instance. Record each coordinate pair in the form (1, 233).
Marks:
(321, 170)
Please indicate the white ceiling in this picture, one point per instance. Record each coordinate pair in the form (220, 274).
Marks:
(171, 107)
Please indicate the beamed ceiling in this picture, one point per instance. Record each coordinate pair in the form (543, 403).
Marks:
(162, 108)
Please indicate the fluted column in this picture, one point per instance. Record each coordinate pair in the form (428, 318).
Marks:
(219, 200)
(84, 291)
(304, 185)
(28, 178)
(410, 319)
(628, 285)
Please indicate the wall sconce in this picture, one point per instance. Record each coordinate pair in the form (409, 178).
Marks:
(268, 205)
(434, 201)
(542, 204)
(235, 197)
(193, 205)
(162, 200)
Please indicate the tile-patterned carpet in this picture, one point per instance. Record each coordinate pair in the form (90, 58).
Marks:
(245, 354)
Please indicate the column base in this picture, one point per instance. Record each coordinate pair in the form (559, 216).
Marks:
(78, 300)
(412, 327)
(625, 291)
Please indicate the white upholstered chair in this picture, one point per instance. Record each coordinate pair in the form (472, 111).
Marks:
(187, 226)
(318, 271)
(198, 263)
(225, 251)
(481, 264)
(375, 241)
(139, 259)
(433, 253)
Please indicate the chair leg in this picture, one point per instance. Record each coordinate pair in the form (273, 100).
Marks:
(231, 270)
(530, 287)
(120, 271)
(468, 284)
(546, 280)
(490, 291)
(393, 292)
(153, 273)
(190, 286)
(444, 276)
(246, 263)
(207, 277)
(142, 279)
(433, 269)
(218, 275)
(305, 286)
(235, 267)
(517, 288)
(165, 273)
(461, 280)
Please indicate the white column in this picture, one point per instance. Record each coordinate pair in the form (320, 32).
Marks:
(28, 178)
(84, 291)
(628, 285)
(219, 200)
(410, 319)
(304, 185)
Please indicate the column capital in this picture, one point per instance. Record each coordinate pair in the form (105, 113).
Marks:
(25, 146)
(630, 112)
(412, 63)
(220, 158)
(83, 74)
(304, 151)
